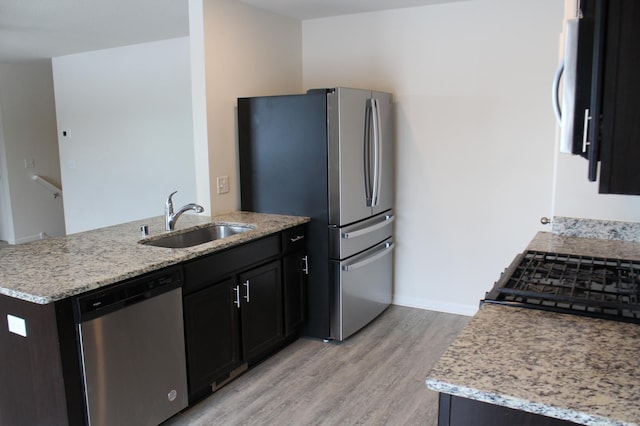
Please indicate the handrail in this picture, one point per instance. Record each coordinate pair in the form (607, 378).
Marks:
(57, 192)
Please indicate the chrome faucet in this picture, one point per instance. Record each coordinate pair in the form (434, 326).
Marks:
(170, 218)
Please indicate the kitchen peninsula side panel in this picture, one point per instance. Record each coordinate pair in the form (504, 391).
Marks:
(33, 368)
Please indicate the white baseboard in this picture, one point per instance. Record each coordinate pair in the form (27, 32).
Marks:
(30, 238)
(435, 305)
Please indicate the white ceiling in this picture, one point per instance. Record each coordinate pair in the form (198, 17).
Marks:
(48, 28)
(32, 29)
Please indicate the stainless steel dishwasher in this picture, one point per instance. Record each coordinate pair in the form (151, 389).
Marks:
(132, 350)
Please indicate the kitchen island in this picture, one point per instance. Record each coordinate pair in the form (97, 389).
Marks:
(39, 283)
(579, 369)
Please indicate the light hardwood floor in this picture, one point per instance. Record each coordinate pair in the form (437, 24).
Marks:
(376, 377)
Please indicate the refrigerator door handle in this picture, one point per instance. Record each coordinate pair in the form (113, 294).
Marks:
(358, 233)
(367, 147)
(375, 114)
(386, 247)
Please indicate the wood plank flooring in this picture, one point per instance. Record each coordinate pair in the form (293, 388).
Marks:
(376, 377)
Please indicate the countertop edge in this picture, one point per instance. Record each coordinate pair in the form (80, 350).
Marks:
(520, 404)
(451, 374)
(38, 284)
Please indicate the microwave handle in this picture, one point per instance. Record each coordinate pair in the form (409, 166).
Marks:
(555, 92)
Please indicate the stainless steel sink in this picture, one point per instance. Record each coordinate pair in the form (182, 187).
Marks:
(197, 236)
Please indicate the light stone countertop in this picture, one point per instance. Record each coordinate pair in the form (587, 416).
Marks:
(53, 269)
(570, 367)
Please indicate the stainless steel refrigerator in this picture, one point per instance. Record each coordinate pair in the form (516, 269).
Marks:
(328, 154)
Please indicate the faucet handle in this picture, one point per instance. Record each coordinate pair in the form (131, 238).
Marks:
(169, 203)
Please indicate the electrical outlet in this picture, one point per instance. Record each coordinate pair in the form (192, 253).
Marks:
(17, 325)
(223, 184)
(29, 163)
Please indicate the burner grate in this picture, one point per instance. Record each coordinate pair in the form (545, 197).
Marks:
(594, 286)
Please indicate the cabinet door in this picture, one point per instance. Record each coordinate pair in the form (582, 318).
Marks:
(211, 334)
(261, 311)
(295, 270)
(620, 144)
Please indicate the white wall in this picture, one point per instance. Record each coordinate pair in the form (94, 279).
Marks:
(248, 52)
(577, 197)
(28, 133)
(127, 112)
(199, 103)
(475, 131)
(6, 217)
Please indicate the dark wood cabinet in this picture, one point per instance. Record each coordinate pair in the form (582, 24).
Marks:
(212, 341)
(236, 305)
(261, 314)
(458, 411)
(613, 98)
(295, 269)
(41, 382)
(620, 103)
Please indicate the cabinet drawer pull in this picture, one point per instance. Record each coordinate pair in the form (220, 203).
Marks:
(296, 238)
(305, 269)
(246, 284)
(237, 301)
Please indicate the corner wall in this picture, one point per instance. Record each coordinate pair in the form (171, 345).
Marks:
(129, 143)
(29, 211)
(248, 52)
(474, 132)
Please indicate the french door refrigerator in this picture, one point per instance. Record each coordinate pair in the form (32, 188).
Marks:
(328, 154)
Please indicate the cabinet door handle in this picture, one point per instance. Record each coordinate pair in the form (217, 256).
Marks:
(305, 269)
(246, 284)
(585, 131)
(237, 301)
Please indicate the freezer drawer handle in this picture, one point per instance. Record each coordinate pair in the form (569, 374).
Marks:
(360, 232)
(381, 253)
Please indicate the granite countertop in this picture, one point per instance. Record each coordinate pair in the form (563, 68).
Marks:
(569, 367)
(53, 269)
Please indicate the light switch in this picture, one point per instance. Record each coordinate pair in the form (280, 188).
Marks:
(17, 325)
(223, 184)
(29, 163)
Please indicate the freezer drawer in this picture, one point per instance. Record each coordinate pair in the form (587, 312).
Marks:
(363, 289)
(349, 240)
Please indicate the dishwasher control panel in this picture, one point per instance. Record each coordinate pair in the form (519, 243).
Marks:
(100, 302)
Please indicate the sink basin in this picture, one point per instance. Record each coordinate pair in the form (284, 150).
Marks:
(197, 236)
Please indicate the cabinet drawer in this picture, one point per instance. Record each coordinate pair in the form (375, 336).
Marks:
(215, 267)
(293, 239)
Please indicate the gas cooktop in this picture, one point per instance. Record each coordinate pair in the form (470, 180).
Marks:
(583, 285)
